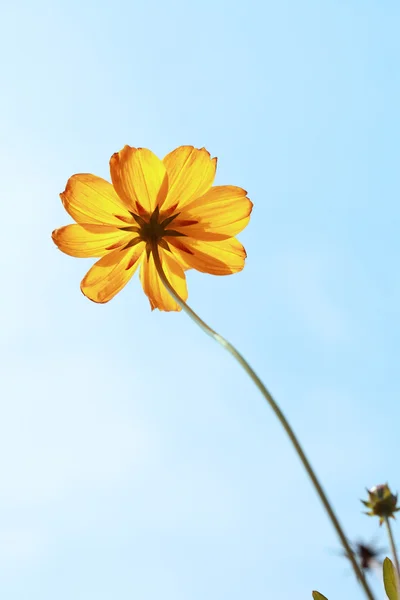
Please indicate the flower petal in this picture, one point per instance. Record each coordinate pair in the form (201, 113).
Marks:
(111, 273)
(140, 178)
(191, 173)
(220, 213)
(153, 286)
(86, 241)
(217, 258)
(91, 199)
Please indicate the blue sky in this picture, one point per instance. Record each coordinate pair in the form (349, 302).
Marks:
(136, 460)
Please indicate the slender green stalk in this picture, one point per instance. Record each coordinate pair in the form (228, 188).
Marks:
(393, 550)
(279, 414)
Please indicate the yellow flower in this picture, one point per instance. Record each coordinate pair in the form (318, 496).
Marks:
(169, 203)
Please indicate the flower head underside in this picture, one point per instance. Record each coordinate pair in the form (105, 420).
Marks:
(170, 203)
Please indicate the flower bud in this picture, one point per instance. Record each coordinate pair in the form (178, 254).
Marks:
(381, 502)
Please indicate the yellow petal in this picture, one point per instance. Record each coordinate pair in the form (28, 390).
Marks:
(91, 199)
(191, 173)
(111, 273)
(217, 258)
(140, 178)
(220, 213)
(86, 241)
(153, 286)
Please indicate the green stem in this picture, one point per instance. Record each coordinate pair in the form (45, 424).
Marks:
(279, 414)
(393, 550)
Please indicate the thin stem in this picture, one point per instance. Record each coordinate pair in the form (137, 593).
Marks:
(393, 550)
(279, 414)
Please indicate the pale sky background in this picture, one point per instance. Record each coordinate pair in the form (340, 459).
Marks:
(136, 460)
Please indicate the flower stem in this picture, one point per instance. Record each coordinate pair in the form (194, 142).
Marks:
(393, 550)
(279, 414)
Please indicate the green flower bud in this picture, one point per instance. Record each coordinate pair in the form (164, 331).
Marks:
(381, 502)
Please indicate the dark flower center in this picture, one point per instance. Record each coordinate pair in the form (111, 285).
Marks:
(152, 229)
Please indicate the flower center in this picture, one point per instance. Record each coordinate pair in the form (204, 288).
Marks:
(152, 228)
